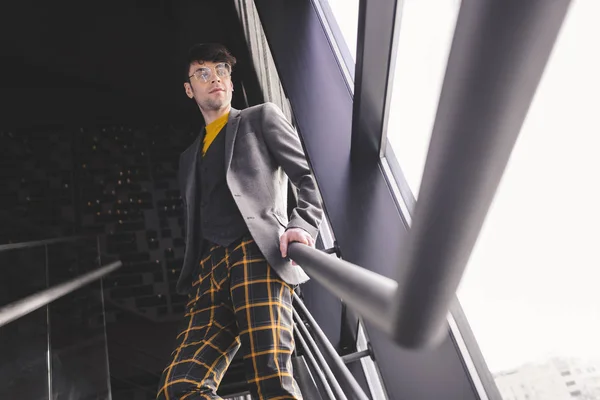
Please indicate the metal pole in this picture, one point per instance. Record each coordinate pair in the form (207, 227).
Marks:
(36, 243)
(320, 362)
(367, 292)
(48, 330)
(106, 355)
(316, 367)
(31, 303)
(350, 358)
(338, 364)
(498, 55)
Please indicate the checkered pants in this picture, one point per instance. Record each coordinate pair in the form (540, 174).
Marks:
(238, 299)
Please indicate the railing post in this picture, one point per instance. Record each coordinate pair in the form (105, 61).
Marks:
(48, 327)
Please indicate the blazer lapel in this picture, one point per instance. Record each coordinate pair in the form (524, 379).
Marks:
(230, 133)
(192, 173)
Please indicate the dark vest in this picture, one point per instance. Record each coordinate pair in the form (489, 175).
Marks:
(221, 220)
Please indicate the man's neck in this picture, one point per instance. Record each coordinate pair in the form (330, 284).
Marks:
(213, 115)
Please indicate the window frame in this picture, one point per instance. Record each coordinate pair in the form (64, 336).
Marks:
(337, 41)
(348, 162)
(459, 328)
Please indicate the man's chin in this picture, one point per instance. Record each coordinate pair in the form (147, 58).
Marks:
(216, 106)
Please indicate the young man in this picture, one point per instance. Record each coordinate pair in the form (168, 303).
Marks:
(234, 189)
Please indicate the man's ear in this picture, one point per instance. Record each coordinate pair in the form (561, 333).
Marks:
(231, 85)
(188, 90)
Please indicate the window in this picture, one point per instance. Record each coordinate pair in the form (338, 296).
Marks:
(530, 289)
(423, 46)
(342, 16)
(576, 393)
(570, 383)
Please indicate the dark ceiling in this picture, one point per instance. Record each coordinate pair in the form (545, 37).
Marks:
(106, 61)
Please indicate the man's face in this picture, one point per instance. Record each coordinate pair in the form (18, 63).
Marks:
(213, 94)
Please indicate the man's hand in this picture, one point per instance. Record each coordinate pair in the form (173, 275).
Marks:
(294, 235)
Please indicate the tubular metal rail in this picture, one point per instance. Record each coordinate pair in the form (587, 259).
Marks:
(31, 303)
(20, 308)
(328, 374)
(484, 101)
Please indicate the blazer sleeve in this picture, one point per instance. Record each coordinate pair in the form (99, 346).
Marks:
(284, 144)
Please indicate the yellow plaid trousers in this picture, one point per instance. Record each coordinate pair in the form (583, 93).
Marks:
(238, 299)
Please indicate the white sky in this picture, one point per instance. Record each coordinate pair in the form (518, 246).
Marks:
(532, 287)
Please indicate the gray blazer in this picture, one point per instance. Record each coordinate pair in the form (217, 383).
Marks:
(261, 148)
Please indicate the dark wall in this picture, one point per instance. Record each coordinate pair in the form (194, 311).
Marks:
(106, 62)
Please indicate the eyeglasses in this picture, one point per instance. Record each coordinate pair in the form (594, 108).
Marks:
(223, 70)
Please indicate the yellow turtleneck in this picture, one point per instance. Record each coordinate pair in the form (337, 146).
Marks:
(212, 130)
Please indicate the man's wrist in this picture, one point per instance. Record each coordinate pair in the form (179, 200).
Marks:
(299, 228)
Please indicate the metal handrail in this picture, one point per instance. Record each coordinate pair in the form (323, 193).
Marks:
(322, 383)
(338, 366)
(37, 243)
(320, 366)
(31, 303)
(367, 292)
(483, 104)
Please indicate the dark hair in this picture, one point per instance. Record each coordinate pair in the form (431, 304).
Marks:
(202, 52)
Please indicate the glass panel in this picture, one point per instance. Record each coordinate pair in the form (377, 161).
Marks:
(346, 20)
(24, 342)
(77, 325)
(65, 341)
(423, 46)
(531, 289)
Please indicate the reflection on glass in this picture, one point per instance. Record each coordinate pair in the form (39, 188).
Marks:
(23, 342)
(426, 30)
(61, 347)
(346, 17)
(531, 291)
(78, 337)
